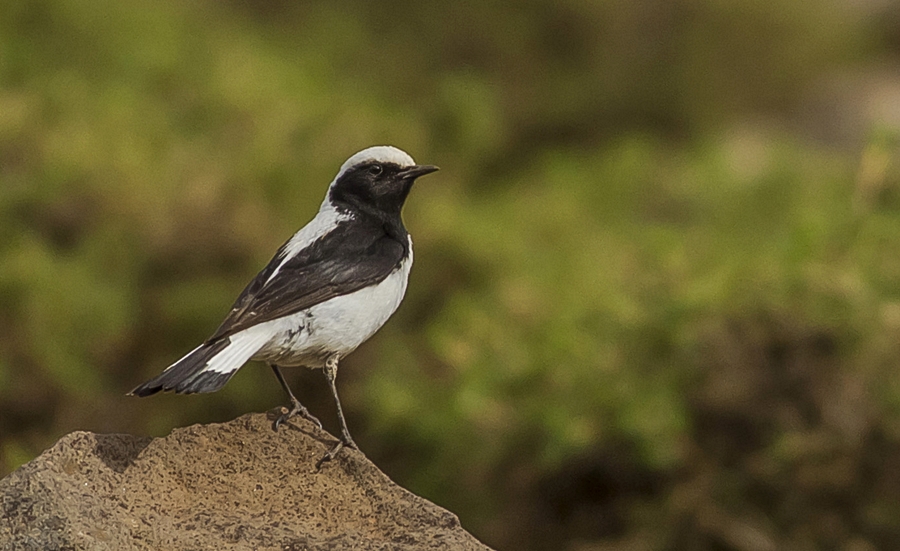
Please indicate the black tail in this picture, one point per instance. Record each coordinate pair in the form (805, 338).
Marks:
(186, 376)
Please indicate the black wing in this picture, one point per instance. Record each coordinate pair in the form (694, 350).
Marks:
(352, 256)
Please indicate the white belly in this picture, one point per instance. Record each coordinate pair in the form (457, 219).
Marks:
(338, 325)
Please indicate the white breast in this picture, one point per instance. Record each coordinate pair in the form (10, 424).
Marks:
(338, 325)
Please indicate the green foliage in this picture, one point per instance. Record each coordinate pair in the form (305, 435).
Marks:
(647, 308)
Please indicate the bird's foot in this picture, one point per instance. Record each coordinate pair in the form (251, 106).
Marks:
(296, 409)
(344, 442)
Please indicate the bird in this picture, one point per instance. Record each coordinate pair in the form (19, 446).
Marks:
(327, 290)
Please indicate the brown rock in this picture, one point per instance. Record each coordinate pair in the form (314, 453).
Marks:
(236, 485)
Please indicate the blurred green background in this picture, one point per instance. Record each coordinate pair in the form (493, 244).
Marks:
(656, 299)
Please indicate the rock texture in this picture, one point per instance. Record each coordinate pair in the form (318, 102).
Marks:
(236, 485)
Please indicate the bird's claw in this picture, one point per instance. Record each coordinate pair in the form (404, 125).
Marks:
(344, 442)
(297, 409)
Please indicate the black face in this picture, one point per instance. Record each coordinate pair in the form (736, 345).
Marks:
(377, 186)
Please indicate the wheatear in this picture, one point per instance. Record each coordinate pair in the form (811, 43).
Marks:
(326, 291)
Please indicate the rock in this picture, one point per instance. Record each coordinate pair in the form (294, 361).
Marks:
(236, 485)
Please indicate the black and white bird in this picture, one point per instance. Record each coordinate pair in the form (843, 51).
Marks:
(327, 290)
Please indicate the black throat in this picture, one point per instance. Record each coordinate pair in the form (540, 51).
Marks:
(374, 188)
(363, 215)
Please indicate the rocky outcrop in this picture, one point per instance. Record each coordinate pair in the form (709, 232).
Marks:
(236, 485)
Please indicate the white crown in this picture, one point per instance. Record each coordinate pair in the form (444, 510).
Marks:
(379, 153)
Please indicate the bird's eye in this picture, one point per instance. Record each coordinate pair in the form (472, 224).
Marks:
(376, 170)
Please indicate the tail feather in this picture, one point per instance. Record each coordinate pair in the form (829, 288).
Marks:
(206, 368)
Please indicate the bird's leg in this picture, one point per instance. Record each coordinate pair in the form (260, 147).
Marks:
(296, 407)
(331, 365)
